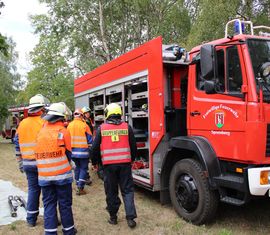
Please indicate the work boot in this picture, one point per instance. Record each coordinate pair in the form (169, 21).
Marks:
(112, 220)
(131, 223)
(80, 191)
(88, 182)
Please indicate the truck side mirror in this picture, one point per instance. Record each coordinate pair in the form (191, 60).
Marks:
(209, 87)
(207, 61)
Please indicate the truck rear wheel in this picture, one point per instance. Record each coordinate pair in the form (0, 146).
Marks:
(190, 194)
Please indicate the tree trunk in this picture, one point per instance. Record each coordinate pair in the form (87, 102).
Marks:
(101, 27)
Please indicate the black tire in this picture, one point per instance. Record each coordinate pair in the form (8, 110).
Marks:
(190, 193)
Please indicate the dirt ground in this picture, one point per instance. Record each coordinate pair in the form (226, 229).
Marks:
(153, 218)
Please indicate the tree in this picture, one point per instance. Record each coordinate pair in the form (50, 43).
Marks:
(77, 36)
(210, 20)
(9, 79)
(51, 75)
(97, 31)
(3, 43)
(210, 16)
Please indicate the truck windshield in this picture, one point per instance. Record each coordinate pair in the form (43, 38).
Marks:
(259, 51)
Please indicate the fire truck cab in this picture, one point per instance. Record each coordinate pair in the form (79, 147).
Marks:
(16, 114)
(202, 122)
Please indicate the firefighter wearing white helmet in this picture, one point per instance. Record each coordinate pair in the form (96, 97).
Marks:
(56, 112)
(37, 103)
(115, 147)
(87, 117)
(25, 142)
(81, 140)
(53, 155)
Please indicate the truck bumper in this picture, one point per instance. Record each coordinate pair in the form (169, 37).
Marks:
(255, 187)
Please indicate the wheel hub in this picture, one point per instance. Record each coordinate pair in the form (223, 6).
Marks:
(187, 193)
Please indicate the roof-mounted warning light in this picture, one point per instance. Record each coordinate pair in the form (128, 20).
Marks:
(241, 26)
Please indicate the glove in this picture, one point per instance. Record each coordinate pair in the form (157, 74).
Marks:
(21, 167)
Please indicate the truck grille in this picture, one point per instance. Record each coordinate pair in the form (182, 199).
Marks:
(267, 149)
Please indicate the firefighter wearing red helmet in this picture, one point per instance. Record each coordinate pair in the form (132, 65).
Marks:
(53, 156)
(81, 140)
(115, 147)
(25, 142)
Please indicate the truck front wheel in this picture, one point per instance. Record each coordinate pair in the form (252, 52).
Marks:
(190, 193)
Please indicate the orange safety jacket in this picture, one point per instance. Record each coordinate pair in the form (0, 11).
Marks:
(27, 133)
(52, 162)
(81, 138)
(115, 144)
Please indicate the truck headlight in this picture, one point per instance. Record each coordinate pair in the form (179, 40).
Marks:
(265, 177)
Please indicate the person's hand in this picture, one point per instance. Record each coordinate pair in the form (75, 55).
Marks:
(72, 165)
(94, 168)
(21, 167)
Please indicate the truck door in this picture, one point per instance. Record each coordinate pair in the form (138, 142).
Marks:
(220, 117)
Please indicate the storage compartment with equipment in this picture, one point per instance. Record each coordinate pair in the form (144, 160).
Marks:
(136, 114)
(97, 105)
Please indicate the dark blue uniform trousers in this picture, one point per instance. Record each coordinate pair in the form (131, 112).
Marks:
(119, 175)
(81, 171)
(63, 195)
(33, 196)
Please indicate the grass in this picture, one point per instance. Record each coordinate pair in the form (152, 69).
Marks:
(153, 218)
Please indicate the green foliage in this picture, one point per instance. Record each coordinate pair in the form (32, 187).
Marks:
(211, 20)
(3, 45)
(97, 31)
(225, 232)
(51, 75)
(210, 16)
(13, 227)
(9, 79)
(76, 36)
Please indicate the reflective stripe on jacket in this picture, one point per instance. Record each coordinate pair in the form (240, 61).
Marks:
(26, 135)
(81, 138)
(52, 162)
(115, 144)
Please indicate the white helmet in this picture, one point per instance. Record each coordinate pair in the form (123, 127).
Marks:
(56, 112)
(37, 103)
(68, 111)
(58, 109)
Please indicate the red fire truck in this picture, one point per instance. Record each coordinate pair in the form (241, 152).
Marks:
(16, 114)
(202, 124)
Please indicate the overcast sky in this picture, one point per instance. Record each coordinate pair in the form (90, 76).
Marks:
(15, 23)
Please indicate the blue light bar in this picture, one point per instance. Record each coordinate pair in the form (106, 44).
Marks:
(237, 27)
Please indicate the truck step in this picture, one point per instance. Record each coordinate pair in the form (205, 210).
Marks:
(231, 181)
(232, 201)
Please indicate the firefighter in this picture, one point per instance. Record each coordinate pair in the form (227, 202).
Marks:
(87, 117)
(81, 140)
(53, 156)
(115, 146)
(25, 141)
